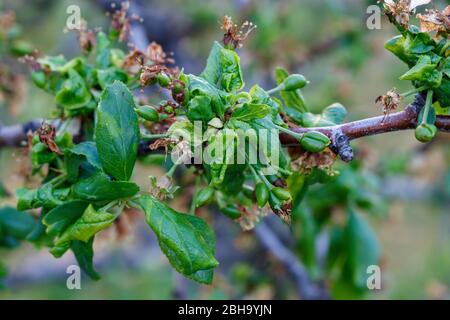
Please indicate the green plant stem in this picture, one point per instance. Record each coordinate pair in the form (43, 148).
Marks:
(197, 184)
(411, 92)
(276, 89)
(110, 205)
(58, 180)
(155, 136)
(427, 106)
(289, 132)
(262, 178)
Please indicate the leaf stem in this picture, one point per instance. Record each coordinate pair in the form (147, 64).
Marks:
(110, 205)
(427, 106)
(411, 92)
(289, 132)
(278, 88)
(155, 136)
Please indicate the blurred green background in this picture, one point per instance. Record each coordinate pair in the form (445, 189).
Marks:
(328, 42)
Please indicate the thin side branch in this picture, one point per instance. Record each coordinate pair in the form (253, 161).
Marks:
(16, 135)
(307, 288)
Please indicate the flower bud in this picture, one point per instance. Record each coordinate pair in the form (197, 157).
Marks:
(204, 196)
(148, 113)
(294, 82)
(425, 132)
(314, 141)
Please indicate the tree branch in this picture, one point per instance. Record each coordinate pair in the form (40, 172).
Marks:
(16, 135)
(307, 288)
(342, 134)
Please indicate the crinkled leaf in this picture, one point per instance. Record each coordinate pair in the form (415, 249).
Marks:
(106, 77)
(60, 218)
(231, 79)
(250, 111)
(45, 196)
(84, 254)
(117, 131)
(399, 46)
(186, 240)
(223, 67)
(90, 222)
(88, 149)
(200, 87)
(199, 109)
(421, 70)
(74, 92)
(99, 187)
(79, 154)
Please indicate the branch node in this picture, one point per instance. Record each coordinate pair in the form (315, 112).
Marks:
(341, 145)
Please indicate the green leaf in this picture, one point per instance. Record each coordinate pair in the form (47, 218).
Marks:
(399, 46)
(74, 93)
(331, 115)
(292, 99)
(84, 254)
(362, 249)
(231, 79)
(186, 240)
(199, 109)
(307, 240)
(87, 149)
(87, 225)
(251, 111)
(54, 63)
(99, 187)
(103, 53)
(223, 66)
(117, 131)
(419, 72)
(106, 77)
(422, 43)
(15, 223)
(199, 87)
(45, 196)
(60, 218)
(212, 71)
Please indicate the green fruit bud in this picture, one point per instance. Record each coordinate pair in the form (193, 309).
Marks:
(204, 196)
(38, 78)
(274, 202)
(281, 194)
(21, 48)
(294, 82)
(314, 141)
(148, 113)
(168, 109)
(425, 132)
(178, 86)
(163, 79)
(231, 212)
(262, 194)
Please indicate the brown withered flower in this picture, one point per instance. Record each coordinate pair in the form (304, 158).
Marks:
(400, 10)
(390, 101)
(86, 38)
(46, 134)
(120, 21)
(435, 20)
(235, 35)
(309, 160)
